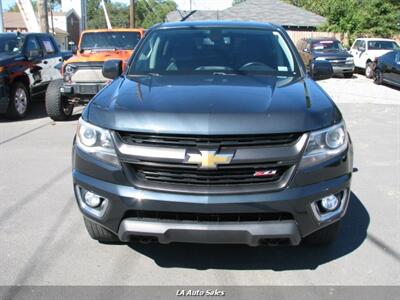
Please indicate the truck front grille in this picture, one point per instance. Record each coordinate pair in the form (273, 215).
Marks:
(208, 141)
(259, 162)
(224, 175)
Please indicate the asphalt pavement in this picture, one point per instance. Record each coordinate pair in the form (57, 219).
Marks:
(43, 240)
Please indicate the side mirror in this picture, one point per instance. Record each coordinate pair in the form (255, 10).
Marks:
(112, 68)
(74, 49)
(321, 69)
(361, 49)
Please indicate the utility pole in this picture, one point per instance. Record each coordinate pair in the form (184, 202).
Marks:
(1, 18)
(43, 16)
(132, 14)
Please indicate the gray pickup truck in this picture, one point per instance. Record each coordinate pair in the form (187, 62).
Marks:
(214, 133)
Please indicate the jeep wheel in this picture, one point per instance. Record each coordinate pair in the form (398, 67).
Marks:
(378, 79)
(57, 106)
(323, 236)
(99, 233)
(369, 72)
(19, 101)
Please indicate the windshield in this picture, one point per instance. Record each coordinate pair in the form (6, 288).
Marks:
(109, 40)
(216, 51)
(10, 44)
(382, 45)
(327, 45)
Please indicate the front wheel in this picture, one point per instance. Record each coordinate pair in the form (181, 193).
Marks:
(99, 233)
(369, 72)
(324, 236)
(57, 106)
(19, 101)
(378, 77)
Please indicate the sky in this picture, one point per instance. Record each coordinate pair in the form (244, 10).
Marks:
(182, 4)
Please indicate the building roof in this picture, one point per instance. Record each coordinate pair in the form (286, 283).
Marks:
(273, 11)
(13, 20)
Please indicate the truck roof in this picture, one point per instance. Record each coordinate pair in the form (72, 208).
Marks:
(237, 24)
(114, 30)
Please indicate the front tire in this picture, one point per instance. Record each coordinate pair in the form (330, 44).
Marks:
(369, 72)
(324, 236)
(378, 77)
(99, 233)
(57, 106)
(19, 101)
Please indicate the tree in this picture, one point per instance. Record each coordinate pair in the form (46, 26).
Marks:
(148, 13)
(356, 17)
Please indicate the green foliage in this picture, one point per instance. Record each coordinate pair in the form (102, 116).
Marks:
(148, 13)
(356, 17)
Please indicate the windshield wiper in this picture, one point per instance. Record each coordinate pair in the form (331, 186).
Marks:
(219, 73)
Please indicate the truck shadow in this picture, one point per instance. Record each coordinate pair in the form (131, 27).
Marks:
(241, 257)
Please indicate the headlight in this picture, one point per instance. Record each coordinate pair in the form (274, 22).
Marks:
(320, 58)
(97, 142)
(325, 144)
(349, 60)
(69, 69)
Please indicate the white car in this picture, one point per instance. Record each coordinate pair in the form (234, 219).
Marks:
(365, 50)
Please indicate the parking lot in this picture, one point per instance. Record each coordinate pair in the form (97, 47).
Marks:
(44, 241)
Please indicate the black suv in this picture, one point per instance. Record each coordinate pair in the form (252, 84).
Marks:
(329, 49)
(28, 62)
(214, 133)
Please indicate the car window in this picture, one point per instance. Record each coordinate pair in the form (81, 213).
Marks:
(382, 45)
(362, 45)
(327, 45)
(229, 50)
(47, 44)
(32, 44)
(10, 44)
(397, 59)
(356, 44)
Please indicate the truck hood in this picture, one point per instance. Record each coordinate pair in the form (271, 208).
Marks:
(100, 56)
(212, 105)
(7, 58)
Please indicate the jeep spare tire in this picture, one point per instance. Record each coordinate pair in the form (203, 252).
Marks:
(57, 106)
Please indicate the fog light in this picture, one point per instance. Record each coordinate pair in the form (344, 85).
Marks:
(329, 203)
(92, 199)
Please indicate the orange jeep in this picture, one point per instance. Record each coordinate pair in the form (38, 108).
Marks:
(82, 73)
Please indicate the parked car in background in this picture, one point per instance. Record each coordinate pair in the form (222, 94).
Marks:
(27, 65)
(82, 77)
(329, 49)
(387, 69)
(366, 50)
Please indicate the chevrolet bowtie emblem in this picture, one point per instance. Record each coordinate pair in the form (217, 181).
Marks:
(208, 159)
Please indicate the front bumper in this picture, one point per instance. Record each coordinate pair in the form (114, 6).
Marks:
(343, 68)
(81, 90)
(297, 199)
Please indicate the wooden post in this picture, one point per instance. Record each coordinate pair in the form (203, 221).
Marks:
(132, 14)
(43, 16)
